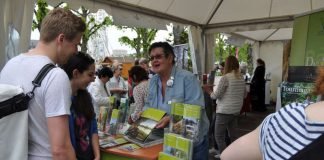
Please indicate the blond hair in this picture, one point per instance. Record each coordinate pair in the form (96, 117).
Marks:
(232, 64)
(61, 21)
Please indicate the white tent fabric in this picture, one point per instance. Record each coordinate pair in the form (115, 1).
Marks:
(257, 20)
(17, 16)
(226, 15)
(196, 49)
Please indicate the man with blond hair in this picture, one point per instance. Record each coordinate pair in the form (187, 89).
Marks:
(48, 132)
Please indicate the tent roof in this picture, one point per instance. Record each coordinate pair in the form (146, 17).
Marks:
(258, 20)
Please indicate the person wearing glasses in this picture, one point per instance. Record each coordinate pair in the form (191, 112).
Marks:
(117, 85)
(171, 84)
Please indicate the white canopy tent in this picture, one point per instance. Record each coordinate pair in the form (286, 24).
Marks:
(256, 20)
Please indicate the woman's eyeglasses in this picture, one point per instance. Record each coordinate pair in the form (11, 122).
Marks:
(157, 57)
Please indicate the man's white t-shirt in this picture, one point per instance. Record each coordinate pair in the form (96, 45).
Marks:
(52, 98)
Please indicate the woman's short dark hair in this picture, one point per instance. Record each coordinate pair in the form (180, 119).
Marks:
(137, 73)
(105, 72)
(167, 49)
(260, 61)
(80, 61)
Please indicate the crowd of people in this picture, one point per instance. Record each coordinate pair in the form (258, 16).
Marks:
(63, 115)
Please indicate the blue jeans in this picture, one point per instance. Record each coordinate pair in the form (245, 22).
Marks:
(200, 151)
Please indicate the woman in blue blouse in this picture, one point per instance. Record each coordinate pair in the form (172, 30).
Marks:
(174, 84)
(83, 127)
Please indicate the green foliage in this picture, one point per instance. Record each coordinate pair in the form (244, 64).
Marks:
(223, 50)
(42, 10)
(142, 42)
(92, 25)
(178, 38)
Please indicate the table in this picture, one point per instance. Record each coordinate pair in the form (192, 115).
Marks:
(149, 153)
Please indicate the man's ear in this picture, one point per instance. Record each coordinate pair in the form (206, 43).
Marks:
(60, 38)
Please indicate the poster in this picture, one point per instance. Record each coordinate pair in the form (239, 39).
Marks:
(297, 92)
(182, 57)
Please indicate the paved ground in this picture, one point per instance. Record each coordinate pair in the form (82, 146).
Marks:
(248, 123)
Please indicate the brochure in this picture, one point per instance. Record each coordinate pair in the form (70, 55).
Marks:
(111, 142)
(105, 115)
(164, 156)
(176, 118)
(178, 146)
(185, 120)
(129, 147)
(114, 122)
(191, 121)
(124, 109)
(143, 131)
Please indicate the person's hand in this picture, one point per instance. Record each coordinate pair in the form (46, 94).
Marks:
(177, 127)
(130, 121)
(208, 88)
(163, 122)
(97, 158)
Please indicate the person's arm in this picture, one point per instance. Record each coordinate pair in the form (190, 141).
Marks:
(59, 137)
(244, 148)
(138, 95)
(221, 88)
(97, 96)
(95, 139)
(95, 146)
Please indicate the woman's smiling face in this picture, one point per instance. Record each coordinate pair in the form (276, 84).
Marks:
(160, 63)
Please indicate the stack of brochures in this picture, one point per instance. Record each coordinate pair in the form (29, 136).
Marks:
(124, 109)
(114, 122)
(176, 147)
(183, 131)
(105, 115)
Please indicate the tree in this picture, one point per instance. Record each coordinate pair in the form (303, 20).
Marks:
(180, 35)
(142, 42)
(91, 25)
(223, 50)
(40, 13)
(220, 47)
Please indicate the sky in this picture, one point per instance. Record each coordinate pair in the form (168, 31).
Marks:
(113, 34)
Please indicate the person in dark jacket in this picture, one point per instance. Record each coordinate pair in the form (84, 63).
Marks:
(258, 87)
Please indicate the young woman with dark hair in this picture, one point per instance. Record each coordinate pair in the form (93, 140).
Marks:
(80, 69)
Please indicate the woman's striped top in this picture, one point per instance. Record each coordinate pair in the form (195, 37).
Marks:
(287, 131)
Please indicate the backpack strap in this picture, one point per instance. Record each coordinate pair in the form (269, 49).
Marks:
(39, 78)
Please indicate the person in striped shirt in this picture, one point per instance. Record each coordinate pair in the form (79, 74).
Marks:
(282, 134)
